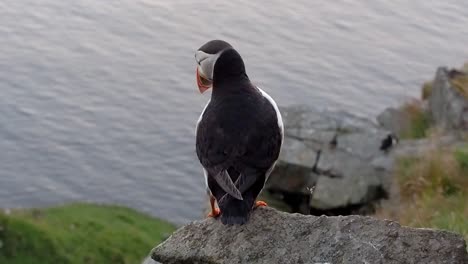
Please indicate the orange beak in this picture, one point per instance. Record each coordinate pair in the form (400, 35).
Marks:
(202, 82)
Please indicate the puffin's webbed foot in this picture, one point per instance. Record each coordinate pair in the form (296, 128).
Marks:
(260, 203)
(214, 213)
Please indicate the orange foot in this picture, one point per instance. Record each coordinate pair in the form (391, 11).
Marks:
(214, 213)
(260, 203)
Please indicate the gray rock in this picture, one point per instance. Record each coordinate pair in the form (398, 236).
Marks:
(394, 120)
(296, 151)
(448, 108)
(309, 123)
(299, 178)
(359, 182)
(275, 237)
(351, 172)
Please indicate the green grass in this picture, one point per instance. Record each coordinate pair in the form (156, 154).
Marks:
(426, 90)
(461, 155)
(447, 213)
(451, 215)
(79, 233)
(434, 190)
(418, 121)
(460, 83)
(433, 187)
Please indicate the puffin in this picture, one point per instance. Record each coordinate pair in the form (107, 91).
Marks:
(238, 136)
(388, 142)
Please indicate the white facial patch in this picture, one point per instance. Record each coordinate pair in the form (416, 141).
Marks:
(206, 62)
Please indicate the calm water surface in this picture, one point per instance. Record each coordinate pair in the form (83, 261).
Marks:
(98, 100)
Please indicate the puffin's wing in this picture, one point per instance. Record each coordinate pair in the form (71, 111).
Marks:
(260, 158)
(214, 152)
(257, 162)
(223, 179)
(263, 146)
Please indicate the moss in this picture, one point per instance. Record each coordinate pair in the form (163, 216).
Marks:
(78, 233)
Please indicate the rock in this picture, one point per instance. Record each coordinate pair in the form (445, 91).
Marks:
(276, 237)
(299, 178)
(448, 107)
(350, 170)
(400, 120)
(149, 260)
(394, 120)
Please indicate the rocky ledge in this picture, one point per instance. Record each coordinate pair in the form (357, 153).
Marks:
(331, 163)
(276, 237)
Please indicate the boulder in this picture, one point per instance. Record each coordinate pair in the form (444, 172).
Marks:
(277, 237)
(447, 106)
(332, 158)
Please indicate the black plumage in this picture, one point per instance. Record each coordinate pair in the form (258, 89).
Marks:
(388, 142)
(239, 137)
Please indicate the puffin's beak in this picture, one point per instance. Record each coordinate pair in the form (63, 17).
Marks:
(202, 82)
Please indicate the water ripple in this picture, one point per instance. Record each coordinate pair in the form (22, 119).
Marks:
(98, 99)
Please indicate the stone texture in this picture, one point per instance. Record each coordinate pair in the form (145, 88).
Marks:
(353, 171)
(394, 120)
(448, 108)
(275, 237)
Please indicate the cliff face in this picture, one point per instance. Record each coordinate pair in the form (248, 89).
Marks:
(448, 107)
(275, 237)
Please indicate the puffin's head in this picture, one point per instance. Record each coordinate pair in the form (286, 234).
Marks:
(206, 57)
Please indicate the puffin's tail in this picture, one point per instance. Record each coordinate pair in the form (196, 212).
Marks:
(234, 211)
(225, 182)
